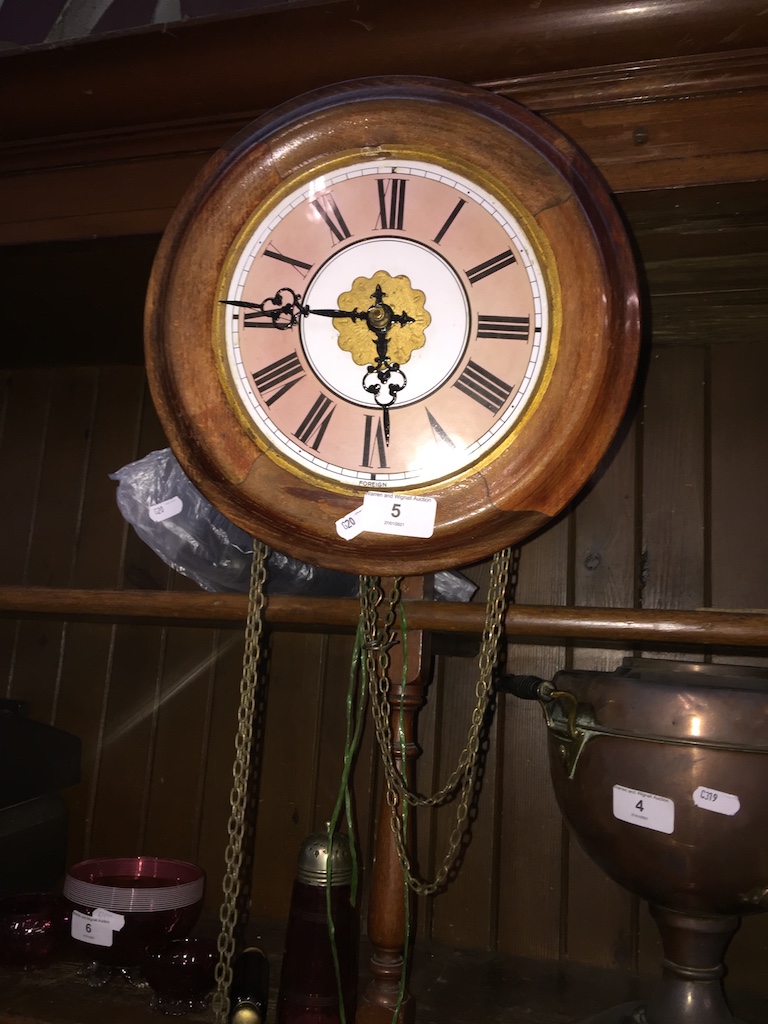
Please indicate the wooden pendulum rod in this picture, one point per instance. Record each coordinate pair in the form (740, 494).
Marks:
(387, 922)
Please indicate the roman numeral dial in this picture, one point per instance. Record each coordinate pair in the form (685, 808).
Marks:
(504, 328)
(491, 266)
(386, 325)
(275, 380)
(313, 426)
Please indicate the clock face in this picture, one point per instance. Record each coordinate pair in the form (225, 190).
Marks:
(393, 288)
(448, 339)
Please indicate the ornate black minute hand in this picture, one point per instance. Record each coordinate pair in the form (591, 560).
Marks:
(285, 307)
(383, 373)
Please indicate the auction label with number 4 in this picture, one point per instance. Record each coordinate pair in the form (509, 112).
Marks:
(644, 809)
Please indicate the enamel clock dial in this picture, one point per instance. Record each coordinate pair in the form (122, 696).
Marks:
(402, 287)
(446, 350)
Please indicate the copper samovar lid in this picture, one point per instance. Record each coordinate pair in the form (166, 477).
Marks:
(682, 701)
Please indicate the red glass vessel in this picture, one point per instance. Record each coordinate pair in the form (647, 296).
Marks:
(309, 983)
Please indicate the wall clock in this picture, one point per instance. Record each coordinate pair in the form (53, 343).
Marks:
(400, 294)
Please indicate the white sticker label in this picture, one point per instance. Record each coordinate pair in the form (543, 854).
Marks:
(401, 514)
(644, 809)
(97, 928)
(350, 526)
(715, 800)
(165, 509)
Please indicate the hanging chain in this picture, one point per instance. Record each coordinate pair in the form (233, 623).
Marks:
(379, 639)
(240, 774)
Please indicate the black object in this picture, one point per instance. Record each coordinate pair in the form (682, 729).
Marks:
(525, 687)
(249, 994)
(33, 845)
(35, 759)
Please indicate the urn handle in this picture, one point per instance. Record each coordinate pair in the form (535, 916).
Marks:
(564, 716)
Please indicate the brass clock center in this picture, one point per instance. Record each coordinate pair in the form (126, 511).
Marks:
(398, 296)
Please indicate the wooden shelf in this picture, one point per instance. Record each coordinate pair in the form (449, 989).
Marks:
(450, 986)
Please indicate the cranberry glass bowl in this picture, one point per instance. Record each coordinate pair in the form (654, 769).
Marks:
(122, 904)
(33, 929)
(181, 973)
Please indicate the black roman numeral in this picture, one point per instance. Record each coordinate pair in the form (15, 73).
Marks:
(327, 208)
(277, 378)
(315, 423)
(302, 267)
(257, 319)
(391, 203)
(437, 430)
(506, 328)
(490, 391)
(451, 218)
(374, 442)
(504, 259)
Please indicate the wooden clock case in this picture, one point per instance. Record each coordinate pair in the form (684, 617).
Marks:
(594, 307)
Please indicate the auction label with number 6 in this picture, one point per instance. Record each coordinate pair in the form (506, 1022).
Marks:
(648, 810)
(98, 928)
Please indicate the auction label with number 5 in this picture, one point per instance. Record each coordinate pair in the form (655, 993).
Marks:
(644, 809)
(403, 515)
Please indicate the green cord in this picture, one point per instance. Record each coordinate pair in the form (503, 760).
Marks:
(354, 714)
(404, 812)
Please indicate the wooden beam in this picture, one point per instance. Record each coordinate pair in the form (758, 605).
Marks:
(84, 154)
(203, 69)
(703, 627)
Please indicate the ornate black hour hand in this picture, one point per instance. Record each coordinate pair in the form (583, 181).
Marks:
(350, 314)
(284, 308)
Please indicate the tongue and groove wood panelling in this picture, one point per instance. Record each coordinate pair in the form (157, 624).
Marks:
(674, 518)
(99, 141)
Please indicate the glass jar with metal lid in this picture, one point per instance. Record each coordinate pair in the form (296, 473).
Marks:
(322, 922)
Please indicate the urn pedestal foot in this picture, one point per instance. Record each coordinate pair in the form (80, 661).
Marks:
(691, 988)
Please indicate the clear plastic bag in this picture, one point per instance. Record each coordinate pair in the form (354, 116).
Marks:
(181, 526)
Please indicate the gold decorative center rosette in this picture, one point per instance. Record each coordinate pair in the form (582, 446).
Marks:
(399, 294)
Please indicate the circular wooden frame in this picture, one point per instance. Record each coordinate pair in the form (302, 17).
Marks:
(581, 240)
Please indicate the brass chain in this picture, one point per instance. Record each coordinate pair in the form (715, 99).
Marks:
(240, 775)
(378, 640)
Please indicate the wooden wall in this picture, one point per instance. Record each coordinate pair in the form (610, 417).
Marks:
(673, 519)
(671, 107)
